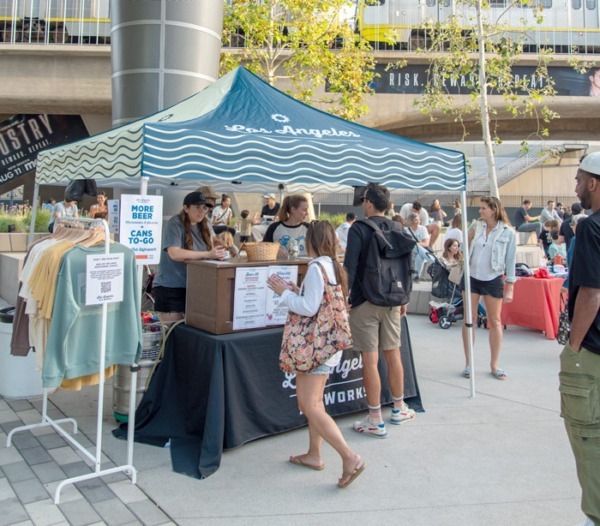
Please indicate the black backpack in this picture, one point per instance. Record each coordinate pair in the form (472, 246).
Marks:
(387, 265)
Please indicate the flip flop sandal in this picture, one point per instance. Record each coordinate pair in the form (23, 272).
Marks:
(467, 372)
(349, 477)
(499, 373)
(299, 462)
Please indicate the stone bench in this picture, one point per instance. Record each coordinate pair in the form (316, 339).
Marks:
(527, 238)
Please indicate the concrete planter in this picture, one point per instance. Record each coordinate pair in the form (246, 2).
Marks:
(16, 242)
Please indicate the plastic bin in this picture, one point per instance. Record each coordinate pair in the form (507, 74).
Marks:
(18, 375)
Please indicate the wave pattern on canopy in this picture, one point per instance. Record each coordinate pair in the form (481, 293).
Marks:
(247, 133)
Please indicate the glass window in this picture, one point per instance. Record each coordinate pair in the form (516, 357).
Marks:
(430, 3)
(446, 3)
(546, 4)
(590, 4)
(498, 3)
(576, 4)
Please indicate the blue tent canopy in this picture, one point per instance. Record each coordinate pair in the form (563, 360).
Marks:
(242, 131)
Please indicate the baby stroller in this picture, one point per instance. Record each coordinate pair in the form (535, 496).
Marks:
(447, 312)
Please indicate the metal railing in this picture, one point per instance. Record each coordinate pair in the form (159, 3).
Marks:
(88, 22)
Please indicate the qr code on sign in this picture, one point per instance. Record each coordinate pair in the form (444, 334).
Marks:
(105, 287)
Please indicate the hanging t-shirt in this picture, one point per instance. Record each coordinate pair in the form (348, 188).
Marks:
(73, 347)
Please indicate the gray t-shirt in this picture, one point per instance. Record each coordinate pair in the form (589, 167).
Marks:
(173, 274)
(64, 211)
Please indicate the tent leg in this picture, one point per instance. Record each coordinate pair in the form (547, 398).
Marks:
(467, 274)
(34, 206)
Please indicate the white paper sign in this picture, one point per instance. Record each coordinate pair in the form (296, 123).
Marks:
(141, 226)
(277, 313)
(250, 298)
(104, 278)
(113, 215)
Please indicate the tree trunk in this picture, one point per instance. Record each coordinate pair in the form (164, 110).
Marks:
(485, 115)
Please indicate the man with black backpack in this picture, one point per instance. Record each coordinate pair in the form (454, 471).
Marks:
(378, 261)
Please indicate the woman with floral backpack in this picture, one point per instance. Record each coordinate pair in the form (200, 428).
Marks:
(316, 332)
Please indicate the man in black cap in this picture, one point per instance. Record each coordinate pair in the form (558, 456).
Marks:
(565, 233)
(188, 235)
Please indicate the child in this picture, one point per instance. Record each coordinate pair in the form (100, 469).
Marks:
(557, 250)
(227, 243)
(545, 237)
(246, 227)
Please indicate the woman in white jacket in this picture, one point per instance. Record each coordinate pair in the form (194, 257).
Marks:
(321, 244)
(492, 257)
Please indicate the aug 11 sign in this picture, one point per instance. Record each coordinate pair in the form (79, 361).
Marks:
(141, 226)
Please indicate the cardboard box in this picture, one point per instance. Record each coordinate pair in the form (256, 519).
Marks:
(210, 291)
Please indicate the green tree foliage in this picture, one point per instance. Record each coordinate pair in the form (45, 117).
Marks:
(475, 49)
(310, 43)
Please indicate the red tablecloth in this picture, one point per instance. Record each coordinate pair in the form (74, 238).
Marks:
(536, 304)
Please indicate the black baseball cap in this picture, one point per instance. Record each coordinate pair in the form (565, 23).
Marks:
(196, 198)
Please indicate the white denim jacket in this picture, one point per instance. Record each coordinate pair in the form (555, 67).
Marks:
(504, 249)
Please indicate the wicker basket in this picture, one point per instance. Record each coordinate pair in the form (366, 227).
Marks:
(263, 251)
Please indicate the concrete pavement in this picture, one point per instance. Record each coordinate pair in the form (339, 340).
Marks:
(499, 458)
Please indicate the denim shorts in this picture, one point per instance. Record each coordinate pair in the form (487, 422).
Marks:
(493, 288)
(322, 369)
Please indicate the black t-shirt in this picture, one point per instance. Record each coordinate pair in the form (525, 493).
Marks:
(585, 272)
(266, 211)
(546, 238)
(566, 231)
(520, 216)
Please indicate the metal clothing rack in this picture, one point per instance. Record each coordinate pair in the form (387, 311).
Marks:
(47, 421)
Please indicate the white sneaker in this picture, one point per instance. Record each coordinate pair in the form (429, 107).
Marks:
(402, 415)
(369, 428)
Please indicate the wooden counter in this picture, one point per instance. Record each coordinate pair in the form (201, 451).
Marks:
(210, 291)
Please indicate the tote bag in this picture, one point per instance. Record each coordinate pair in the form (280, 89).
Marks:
(309, 341)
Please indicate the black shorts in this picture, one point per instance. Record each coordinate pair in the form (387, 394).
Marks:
(167, 299)
(493, 288)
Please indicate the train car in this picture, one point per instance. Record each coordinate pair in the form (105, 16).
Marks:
(398, 24)
(55, 21)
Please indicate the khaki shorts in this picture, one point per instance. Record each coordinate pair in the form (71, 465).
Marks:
(375, 328)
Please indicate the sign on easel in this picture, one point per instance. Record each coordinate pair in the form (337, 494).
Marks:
(141, 226)
(104, 278)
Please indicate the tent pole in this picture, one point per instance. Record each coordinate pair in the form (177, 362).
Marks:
(140, 268)
(34, 205)
(467, 273)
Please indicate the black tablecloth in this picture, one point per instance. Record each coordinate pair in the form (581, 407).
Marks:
(211, 393)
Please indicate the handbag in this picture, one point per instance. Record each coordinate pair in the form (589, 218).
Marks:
(309, 341)
(564, 325)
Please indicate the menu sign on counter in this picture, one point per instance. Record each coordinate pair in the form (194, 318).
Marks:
(250, 298)
(277, 313)
(254, 305)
